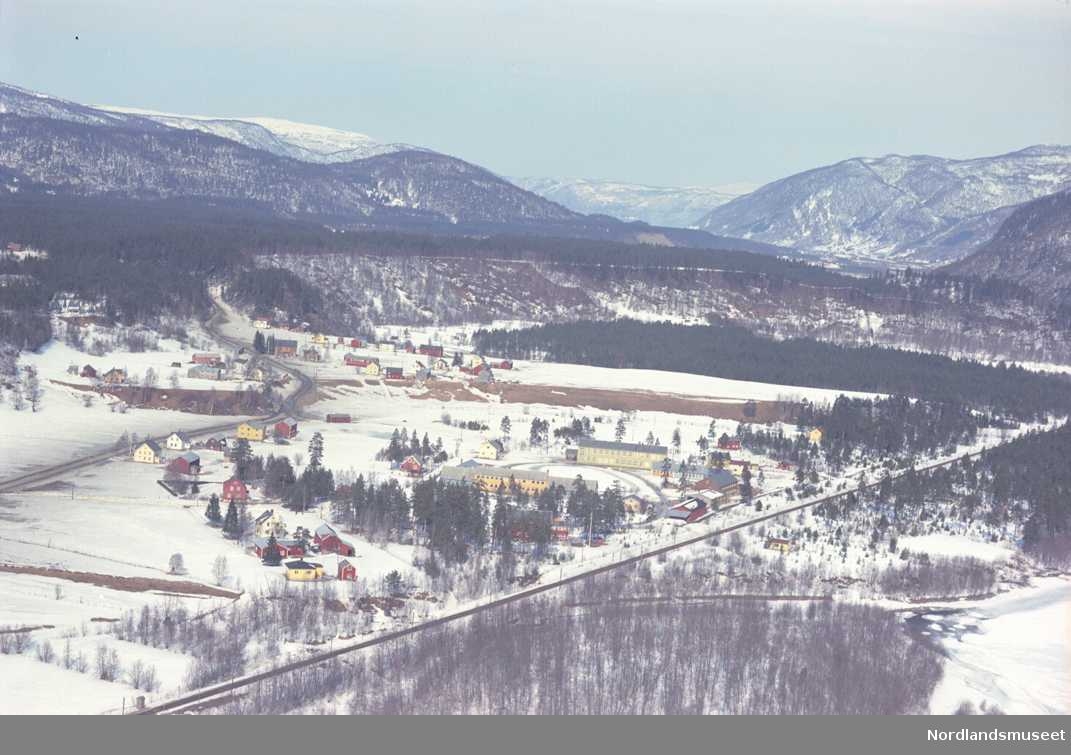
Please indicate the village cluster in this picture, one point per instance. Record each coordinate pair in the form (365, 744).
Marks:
(676, 493)
(376, 358)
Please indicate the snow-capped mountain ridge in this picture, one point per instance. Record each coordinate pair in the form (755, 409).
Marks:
(895, 209)
(301, 141)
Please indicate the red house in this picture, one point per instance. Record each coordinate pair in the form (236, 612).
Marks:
(188, 463)
(235, 490)
(88, 372)
(392, 373)
(336, 419)
(430, 350)
(212, 359)
(412, 466)
(729, 444)
(352, 360)
(690, 511)
(329, 542)
(505, 364)
(347, 571)
(355, 343)
(286, 428)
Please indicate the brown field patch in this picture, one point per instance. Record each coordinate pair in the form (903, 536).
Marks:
(645, 401)
(125, 584)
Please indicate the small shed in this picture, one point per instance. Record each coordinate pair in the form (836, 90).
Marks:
(347, 571)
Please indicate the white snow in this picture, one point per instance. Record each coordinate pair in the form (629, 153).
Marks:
(1020, 659)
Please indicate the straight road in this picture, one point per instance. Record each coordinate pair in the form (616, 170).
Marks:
(196, 698)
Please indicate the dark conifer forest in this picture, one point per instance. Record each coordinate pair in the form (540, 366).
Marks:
(731, 351)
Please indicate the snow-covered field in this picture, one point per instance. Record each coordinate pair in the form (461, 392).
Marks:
(64, 428)
(1013, 650)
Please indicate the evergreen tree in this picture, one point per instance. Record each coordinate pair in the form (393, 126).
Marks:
(271, 552)
(231, 525)
(316, 450)
(212, 512)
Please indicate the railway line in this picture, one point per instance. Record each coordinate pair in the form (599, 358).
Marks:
(198, 699)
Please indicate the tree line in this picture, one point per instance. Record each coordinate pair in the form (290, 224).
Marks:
(731, 351)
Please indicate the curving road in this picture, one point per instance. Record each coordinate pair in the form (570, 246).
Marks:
(289, 407)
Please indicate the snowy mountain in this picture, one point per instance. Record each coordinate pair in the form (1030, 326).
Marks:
(1032, 248)
(894, 210)
(301, 141)
(677, 207)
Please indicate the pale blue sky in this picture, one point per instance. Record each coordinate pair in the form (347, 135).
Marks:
(673, 92)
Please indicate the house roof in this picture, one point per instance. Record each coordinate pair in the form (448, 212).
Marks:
(184, 437)
(190, 458)
(264, 516)
(151, 444)
(302, 564)
(326, 529)
(285, 342)
(614, 446)
(497, 444)
(720, 478)
(343, 563)
(288, 421)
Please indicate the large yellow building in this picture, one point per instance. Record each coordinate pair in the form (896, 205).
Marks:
(601, 453)
(249, 432)
(491, 479)
(304, 571)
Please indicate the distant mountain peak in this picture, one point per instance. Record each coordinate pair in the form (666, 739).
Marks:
(894, 210)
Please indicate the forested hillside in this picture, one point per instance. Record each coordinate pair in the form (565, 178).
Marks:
(731, 351)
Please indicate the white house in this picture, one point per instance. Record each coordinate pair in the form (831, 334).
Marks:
(178, 441)
(269, 523)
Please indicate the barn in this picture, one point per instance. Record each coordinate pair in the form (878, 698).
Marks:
(187, 463)
(338, 418)
(212, 359)
(328, 541)
(89, 371)
(392, 373)
(430, 350)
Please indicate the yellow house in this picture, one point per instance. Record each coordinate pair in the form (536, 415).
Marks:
(491, 449)
(319, 339)
(779, 544)
(304, 571)
(372, 368)
(249, 432)
(815, 436)
(148, 453)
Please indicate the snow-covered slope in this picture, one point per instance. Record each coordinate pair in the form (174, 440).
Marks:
(674, 206)
(301, 141)
(1032, 248)
(894, 210)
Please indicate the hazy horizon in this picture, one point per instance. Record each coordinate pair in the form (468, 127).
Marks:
(677, 93)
